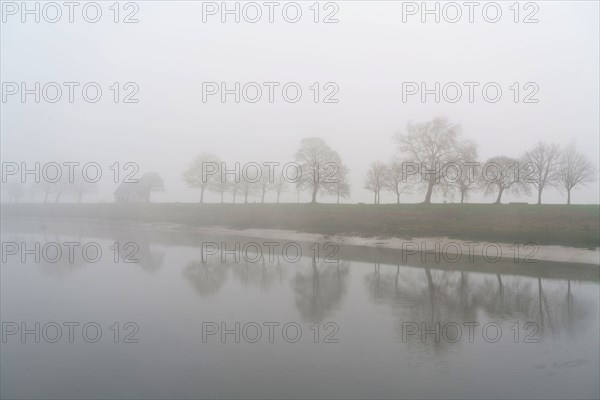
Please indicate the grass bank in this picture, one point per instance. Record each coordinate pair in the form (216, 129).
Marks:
(573, 225)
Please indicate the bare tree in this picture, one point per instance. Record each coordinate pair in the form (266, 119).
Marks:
(248, 189)
(221, 186)
(80, 187)
(221, 183)
(395, 179)
(280, 186)
(432, 145)
(266, 182)
(341, 187)
(575, 169)
(235, 188)
(319, 164)
(375, 179)
(203, 173)
(464, 175)
(502, 174)
(543, 162)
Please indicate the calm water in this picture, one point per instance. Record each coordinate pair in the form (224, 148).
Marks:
(365, 313)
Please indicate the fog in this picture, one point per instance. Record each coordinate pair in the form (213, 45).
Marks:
(369, 53)
(179, 126)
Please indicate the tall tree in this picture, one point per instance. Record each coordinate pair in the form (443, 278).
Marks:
(280, 186)
(375, 179)
(431, 145)
(502, 174)
(464, 175)
(222, 182)
(319, 165)
(575, 169)
(266, 182)
(543, 163)
(395, 179)
(222, 186)
(341, 186)
(203, 173)
(248, 189)
(234, 187)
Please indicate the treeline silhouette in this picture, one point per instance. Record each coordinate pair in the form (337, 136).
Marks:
(432, 157)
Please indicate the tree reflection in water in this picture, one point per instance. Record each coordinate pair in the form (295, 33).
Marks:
(426, 295)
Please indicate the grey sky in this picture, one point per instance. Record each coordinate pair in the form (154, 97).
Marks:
(369, 53)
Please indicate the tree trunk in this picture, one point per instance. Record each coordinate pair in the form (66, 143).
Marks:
(262, 198)
(222, 197)
(397, 197)
(499, 196)
(569, 196)
(429, 192)
(540, 196)
(338, 196)
(462, 197)
(246, 198)
(234, 194)
(202, 195)
(374, 197)
(314, 194)
(278, 195)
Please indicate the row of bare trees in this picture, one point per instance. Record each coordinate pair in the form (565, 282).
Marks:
(49, 191)
(434, 157)
(318, 170)
(76, 188)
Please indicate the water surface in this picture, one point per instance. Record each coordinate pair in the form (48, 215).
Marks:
(365, 309)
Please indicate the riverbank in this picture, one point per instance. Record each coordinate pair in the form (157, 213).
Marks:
(575, 226)
(448, 249)
(436, 253)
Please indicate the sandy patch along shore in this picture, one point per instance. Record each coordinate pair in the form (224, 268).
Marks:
(446, 246)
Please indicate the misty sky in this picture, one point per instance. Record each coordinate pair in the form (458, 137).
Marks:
(369, 53)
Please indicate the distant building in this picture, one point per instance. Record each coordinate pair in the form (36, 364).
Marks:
(132, 193)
